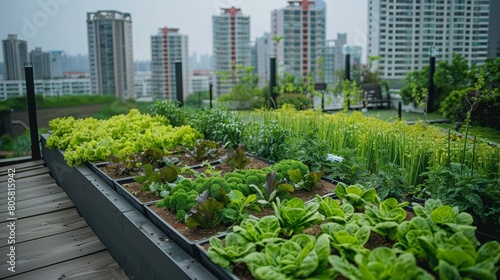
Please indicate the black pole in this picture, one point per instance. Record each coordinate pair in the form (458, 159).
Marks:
(199, 99)
(30, 94)
(178, 83)
(348, 74)
(432, 94)
(323, 101)
(210, 91)
(272, 85)
(348, 67)
(399, 110)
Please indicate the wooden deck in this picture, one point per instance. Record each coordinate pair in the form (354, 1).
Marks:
(52, 241)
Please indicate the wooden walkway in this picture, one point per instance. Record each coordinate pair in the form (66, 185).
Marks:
(52, 241)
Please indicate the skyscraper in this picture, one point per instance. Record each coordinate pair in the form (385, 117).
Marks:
(110, 53)
(56, 64)
(339, 56)
(231, 39)
(263, 53)
(15, 57)
(403, 33)
(302, 23)
(41, 64)
(167, 48)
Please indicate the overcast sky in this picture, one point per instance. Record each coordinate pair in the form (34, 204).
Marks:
(61, 24)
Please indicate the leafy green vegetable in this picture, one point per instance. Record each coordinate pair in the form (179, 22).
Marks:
(446, 217)
(236, 210)
(332, 211)
(206, 214)
(455, 257)
(262, 231)
(306, 181)
(283, 166)
(271, 189)
(236, 246)
(381, 263)
(385, 218)
(408, 234)
(356, 195)
(349, 239)
(295, 216)
(203, 149)
(166, 174)
(302, 257)
(238, 159)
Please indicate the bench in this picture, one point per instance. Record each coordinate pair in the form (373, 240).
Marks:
(372, 95)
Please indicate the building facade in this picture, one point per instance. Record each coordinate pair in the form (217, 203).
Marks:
(302, 27)
(110, 53)
(231, 47)
(168, 47)
(15, 57)
(402, 32)
(263, 46)
(200, 81)
(47, 88)
(339, 55)
(40, 61)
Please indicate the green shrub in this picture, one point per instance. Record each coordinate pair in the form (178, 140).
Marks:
(297, 100)
(171, 110)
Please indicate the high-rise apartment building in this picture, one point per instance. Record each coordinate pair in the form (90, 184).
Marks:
(402, 32)
(302, 24)
(231, 47)
(167, 48)
(110, 53)
(15, 57)
(41, 64)
(339, 56)
(263, 46)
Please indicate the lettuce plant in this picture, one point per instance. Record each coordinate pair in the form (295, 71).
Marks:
(295, 215)
(306, 181)
(381, 263)
(236, 210)
(349, 240)
(302, 257)
(333, 211)
(356, 195)
(262, 231)
(446, 217)
(384, 218)
(236, 246)
(455, 256)
(408, 234)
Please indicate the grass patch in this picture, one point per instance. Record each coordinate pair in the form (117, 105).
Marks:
(57, 102)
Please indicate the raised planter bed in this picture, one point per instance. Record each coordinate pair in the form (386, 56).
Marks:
(137, 203)
(141, 249)
(171, 229)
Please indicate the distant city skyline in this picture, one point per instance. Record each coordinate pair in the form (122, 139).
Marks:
(61, 24)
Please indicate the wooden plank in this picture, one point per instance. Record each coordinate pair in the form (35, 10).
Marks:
(32, 181)
(41, 205)
(26, 174)
(22, 166)
(44, 225)
(23, 193)
(51, 250)
(99, 266)
(5, 172)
